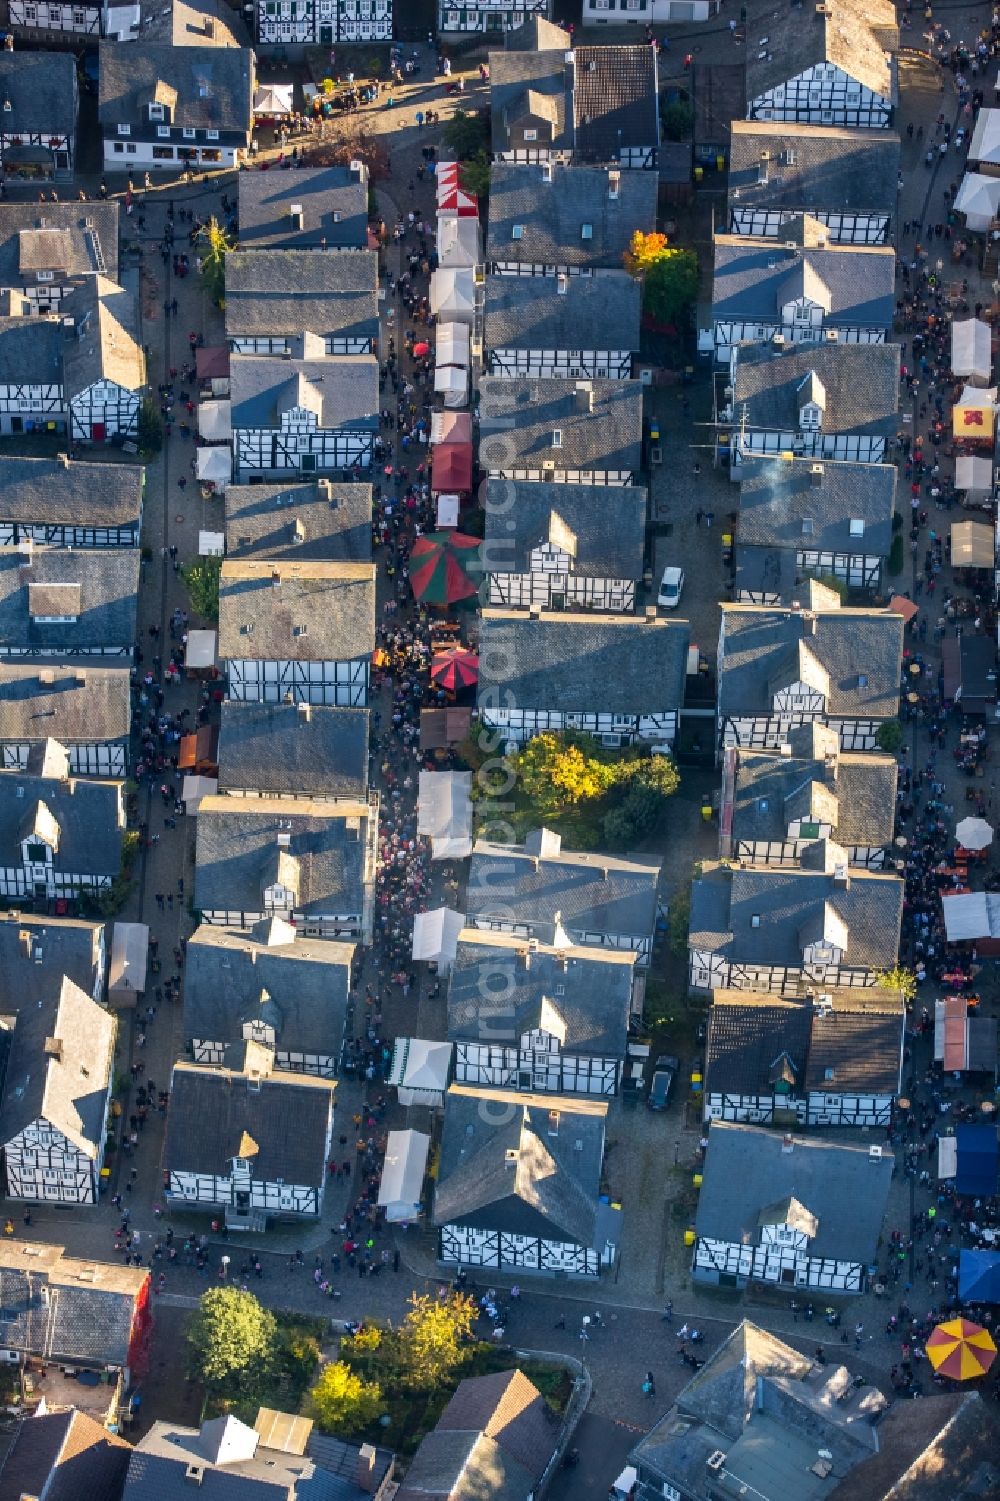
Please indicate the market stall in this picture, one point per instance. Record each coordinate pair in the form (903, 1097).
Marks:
(978, 198)
(972, 545)
(451, 383)
(451, 467)
(403, 1175)
(971, 351)
(451, 427)
(214, 467)
(420, 1071)
(435, 936)
(441, 728)
(974, 474)
(459, 242)
(194, 789)
(453, 293)
(129, 959)
(199, 659)
(214, 422)
(444, 813)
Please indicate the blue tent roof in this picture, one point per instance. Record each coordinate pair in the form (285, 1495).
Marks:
(979, 1276)
(978, 1155)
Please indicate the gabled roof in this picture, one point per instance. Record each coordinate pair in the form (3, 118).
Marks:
(942, 1448)
(57, 237)
(59, 491)
(582, 996)
(552, 214)
(334, 203)
(518, 1169)
(31, 351)
(70, 701)
(622, 664)
(748, 1033)
(599, 423)
(83, 813)
(804, 504)
(615, 100)
(814, 167)
(301, 749)
(852, 35)
(580, 312)
(772, 789)
(90, 1318)
(755, 278)
(42, 90)
(63, 1456)
(316, 521)
(341, 390)
(103, 344)
(860, 382)
(494, 1438)
(37, 952)
(295, 291)
(304, 611)
(529, 82)
(196, 23)
(605, 525)
(856, 1044)
(535, 34)
(206, 87)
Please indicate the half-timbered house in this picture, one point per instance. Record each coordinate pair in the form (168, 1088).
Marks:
(293, 751)
(86, 708)
(59, 602)
(847, 179)
(531, 94)
(40, 99)
(267, 985)
(302, 23)
(820, 400)
(457, 17)
(801, 288)
(828, 1058)
(311, 863)
(800, 518)
(497, 1426)
(320, 208)
(50, 1449)
(48, 249)
(536, 1017)
(814, 660)
(619, 677)
(168, 108)
(247, 1138)
(297, 632)
(64, 504)
(799, 1214)
(45, 20)
(564, 547)
(563, 327)
(518, 1184)
(564, 898)
(835, 66)
(548, 218)
(562, 432)
(56, 1097)
(765, 927)
(616, 106)
(104, 368)
(31, 373)
(33, 949)
(74, 1311)
(776, 802)
(298, 303)
(303, 415)
(317, 520)
(60, 836)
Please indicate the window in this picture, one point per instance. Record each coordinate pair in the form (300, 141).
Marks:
(807, 526)
(119, 148)
(211, 135)
(828, 1075)
(188, 133)
(557, 438)
(241, 1164)
(163, 130)
(163, 153)
(517, 232)
(755, 920)
(156, 111)
(531, 135)
(124, 130)
(586, 231)
(38, 853)
(857, 527)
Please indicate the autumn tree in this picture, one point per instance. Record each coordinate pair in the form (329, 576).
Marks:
(432, 1338)
(202, 580)
(342, 1401)
(231, 1336)
(669, 277)
(213, 246)
(899, 978)
(554, 772)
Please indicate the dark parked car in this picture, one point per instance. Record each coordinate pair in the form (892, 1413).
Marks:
(663, 1077)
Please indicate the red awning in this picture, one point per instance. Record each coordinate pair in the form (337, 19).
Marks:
(212, 363)
(451, 467)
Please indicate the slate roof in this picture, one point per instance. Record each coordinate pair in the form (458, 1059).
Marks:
(615, 100)
(942, 1448)
(83, 703)
(502, 988)
(592, 312)
(212, 1108)
(296, 291)
(63, 1456)
(238, 851)
(495, 1438)
(306, 981)
(552, 215)
(608, 524)
(265, 202)
(860, 386)
(754, 278)
(550, 1190)
(334, 602)
(31, 352)
(307, 750)
(566, 662)
(771, 790)
(318, 521)
(788, 902)
(755, 1040)
(182, 24)
(536, 34)
(537, 81)
(56, 237)
(212, 87)
(160, 1461)
(760, 644)
(785, 503)
(832, 169)
(59, 492)
(69, 1092)
(42, 90)
(592, 893)
(855, 36)
(857, 1046)
(517, 419)
(342, 390)
(89, 1321)
(86, 811)
(747, 1169)
(37, 952)
(105, 343)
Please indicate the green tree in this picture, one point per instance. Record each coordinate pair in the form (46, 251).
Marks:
(432, 1338)
(669, 277)
(889, 736)
(474, 174)
(894, 562)
(678, 118)
(342, 1401)
(213, 245)
(231, 1336)
(679, 920)
(899, 978)
(150, 430)
(202, 580)
(467, 134)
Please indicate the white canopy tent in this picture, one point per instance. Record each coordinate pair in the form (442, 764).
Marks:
(947, 1156)
(984, 148)
(435, 936)
(972, 545)
(420, 1071)
(458, 241)
(444, 813)
(200, 649)
(273, 99)
(194, 788)
(214, 465)
(214, 421)
(453, 293)
(971, 914)
(978, 198)
(973, 474)
(127, 970)
(978, 396)
(451, 383)
(971, 351)
(211, 544)
(403, 1175)
(451, 345)
(448, 508)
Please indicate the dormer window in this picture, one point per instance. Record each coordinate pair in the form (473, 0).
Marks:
(586, 231)
(857, 527)
(156, 112)
(517, 232)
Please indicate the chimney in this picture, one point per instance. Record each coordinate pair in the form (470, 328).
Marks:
(304, 712)
(583, 396)
(209, 26)
(194, 1474)
(534, 612)
(842, 877)
(815, 474)
(569, 64)
(298, 530)
(63, 459)
(650, 614)
(53, 1048)
(80, 676)
(604, 873)
(787, 1142)
(26, 552)
(614, 185)
(46, 677)
(275, 579)
(553, 1123)
(546, 171)
(296, 216)
(366, 1469)
(324, 489)
(562, 283)
(357, 170)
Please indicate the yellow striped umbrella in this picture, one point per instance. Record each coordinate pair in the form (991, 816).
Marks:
(961, 1350)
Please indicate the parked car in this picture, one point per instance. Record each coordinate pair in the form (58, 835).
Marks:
(663, 1077)
(671, 584)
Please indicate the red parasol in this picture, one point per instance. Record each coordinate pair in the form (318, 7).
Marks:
(455, 669)
(421, 349)
(445, 567)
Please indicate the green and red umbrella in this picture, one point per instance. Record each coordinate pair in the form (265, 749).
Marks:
(455, 668)
(445, 567)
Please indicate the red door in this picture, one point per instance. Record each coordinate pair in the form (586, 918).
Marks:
(98, 432)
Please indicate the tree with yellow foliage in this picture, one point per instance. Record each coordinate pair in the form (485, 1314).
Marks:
(669, 277)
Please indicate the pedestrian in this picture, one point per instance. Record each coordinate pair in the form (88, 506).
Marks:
(649, 1385)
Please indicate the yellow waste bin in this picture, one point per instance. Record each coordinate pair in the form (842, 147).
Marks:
(689, 1237)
